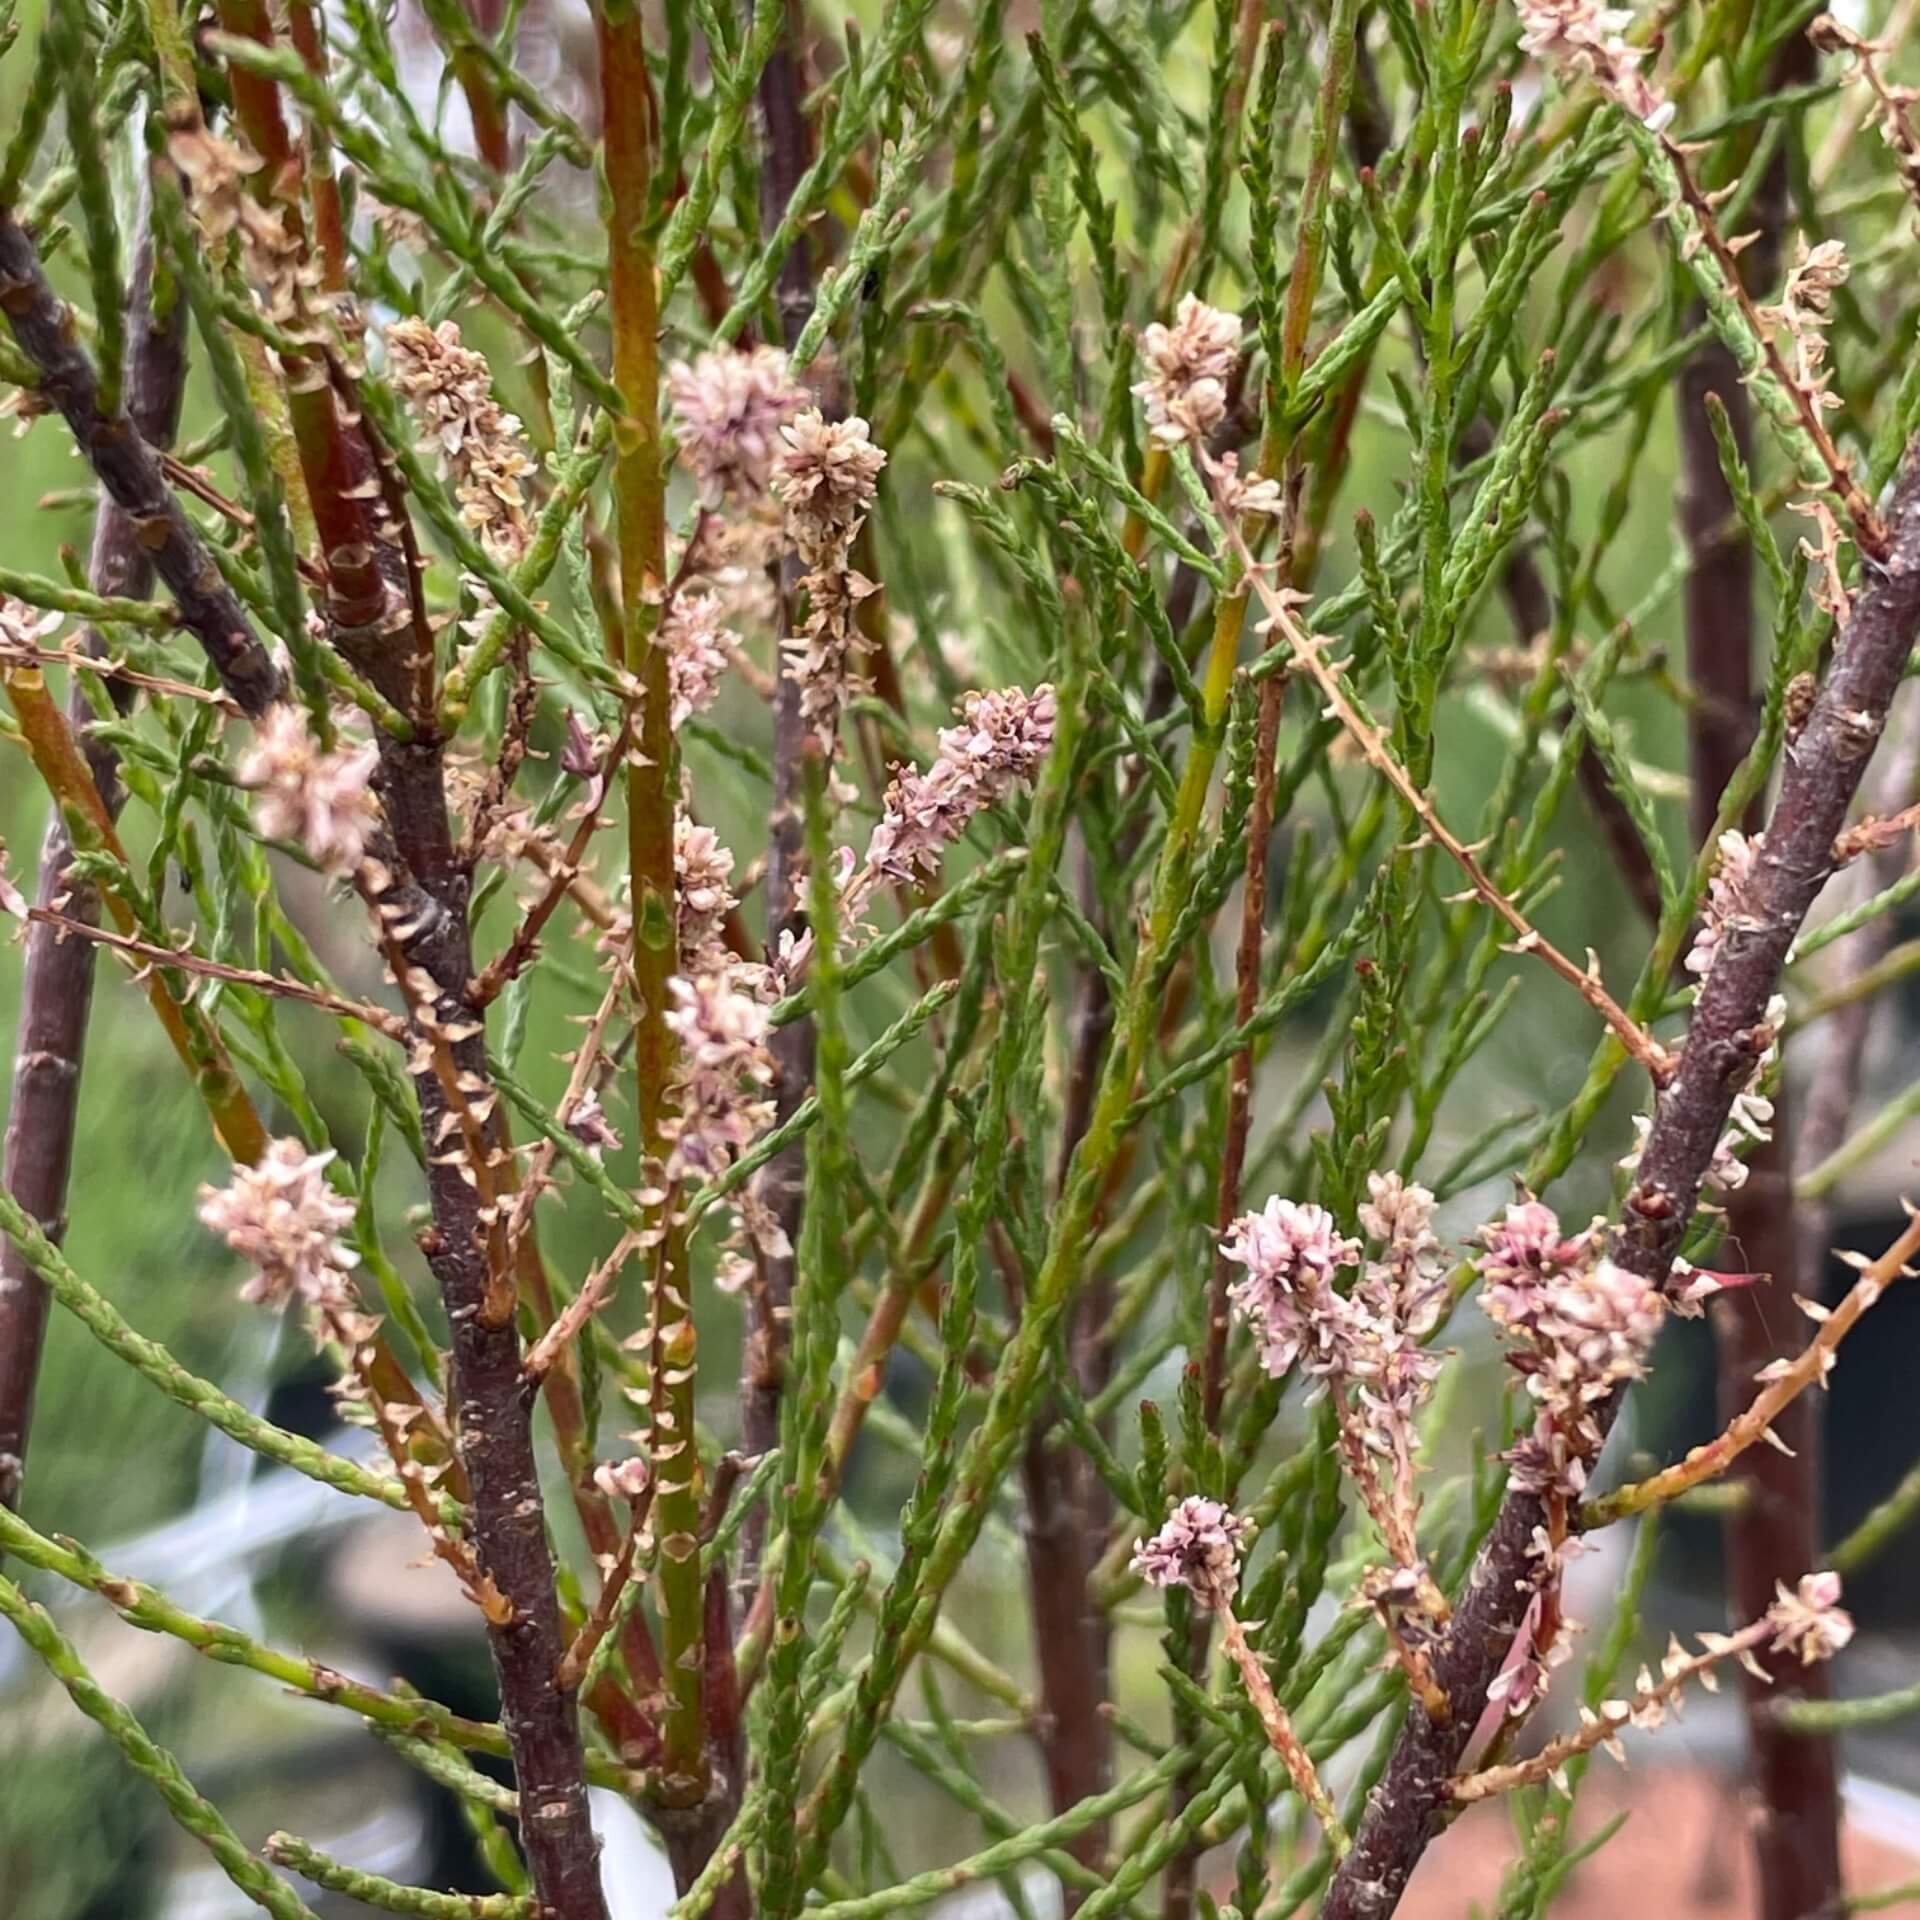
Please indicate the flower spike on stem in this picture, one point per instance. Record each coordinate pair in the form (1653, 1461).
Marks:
(1199, 1548)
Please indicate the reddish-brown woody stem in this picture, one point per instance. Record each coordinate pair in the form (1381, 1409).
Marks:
(1406, 1810)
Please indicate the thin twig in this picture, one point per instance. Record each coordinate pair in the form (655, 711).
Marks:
(606, 1607)
(1306, 649)
(1869, 529)
(579, 1310)
(279, 985)
(1785, 1379)
(512, 960)
(192, 480)
(1280, 1733)
(1612, 1718)
(77, 658)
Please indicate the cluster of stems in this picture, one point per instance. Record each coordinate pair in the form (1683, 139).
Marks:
(841, 768)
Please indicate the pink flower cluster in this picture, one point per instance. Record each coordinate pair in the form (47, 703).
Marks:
(1525, 1249)
(1592, 38)
(285, 1220)
(725, 1071)
(703, 875)
(1199, 1548)
(1732, 874)
(1400, 1297)
(723, 1102)
(1190, 369)
(1189, 365)
(322, 801)
(1005, 737)
(729, 408)
(694, 632)
(448, 388)
(825, 478)
(1367, 1344)
(1810, 1621)
(825, 475)
(1580, 1327)
(1291, 1252)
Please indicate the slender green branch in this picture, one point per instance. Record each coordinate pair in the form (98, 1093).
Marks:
(193, 1811)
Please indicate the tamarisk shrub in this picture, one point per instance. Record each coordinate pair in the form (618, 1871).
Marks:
(842, 760)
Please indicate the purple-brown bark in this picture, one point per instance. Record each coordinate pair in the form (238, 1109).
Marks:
(57, 987)
(1729, 1033)
(1068, 1509)
(423, 909)
(427, 915)
(492, 1415)
(781, 1182)
(1774, 1535)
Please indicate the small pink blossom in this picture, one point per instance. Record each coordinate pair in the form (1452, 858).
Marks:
(284, 1218)
(825, 475)
(721, 1095)
(825, 479)
(1199, 1548)
(703, 870)
(321, 801)
(1690, 1287)
(1188, 367)
(1405, 1286)
(588, 1123)
(26, 628)
(1805, 312)
(1726, 891)
(1291, 1252)
(626, 1479)
(448, 388)
(729, 408)
(1592, 38)
(1811, 1621)
(1579, 1326)
(698, 645)
(1237, 496)
(1524, 1248)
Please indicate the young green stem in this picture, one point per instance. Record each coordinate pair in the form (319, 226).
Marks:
(198, 1816)
(640, 515)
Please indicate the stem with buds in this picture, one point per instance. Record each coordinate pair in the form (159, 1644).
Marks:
(1723, 1045)
(1280, 1733)
(632, 139)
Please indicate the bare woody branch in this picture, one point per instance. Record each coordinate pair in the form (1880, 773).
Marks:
(1723, 1046)
(130, 472)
